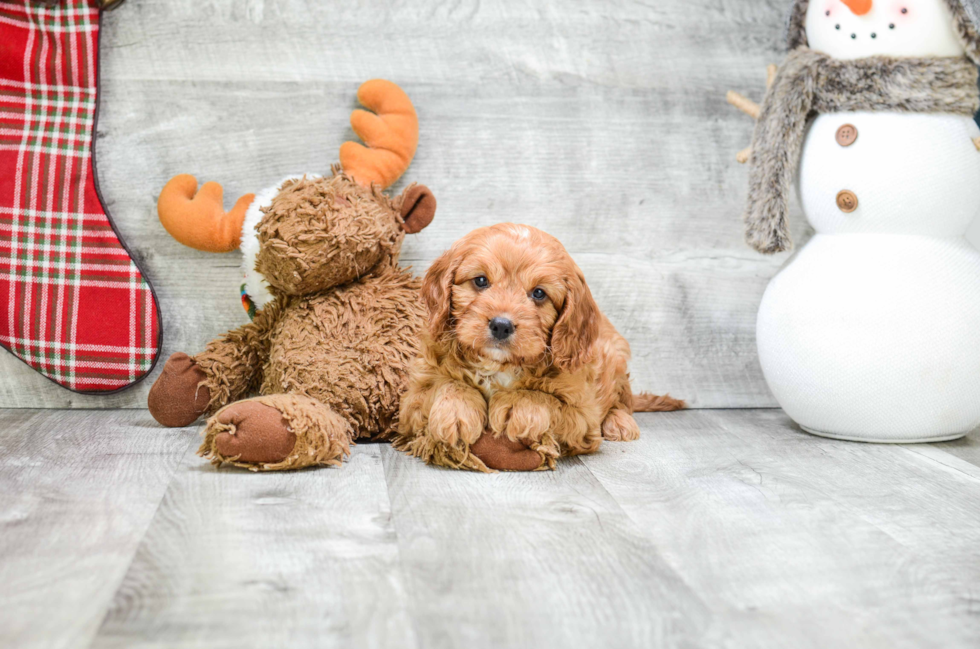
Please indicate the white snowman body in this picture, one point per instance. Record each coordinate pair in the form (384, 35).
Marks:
(872, 331)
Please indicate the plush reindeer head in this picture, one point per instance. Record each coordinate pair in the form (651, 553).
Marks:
(310, 233)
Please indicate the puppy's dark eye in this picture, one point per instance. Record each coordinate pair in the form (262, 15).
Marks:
(481, 282)
(539, 294)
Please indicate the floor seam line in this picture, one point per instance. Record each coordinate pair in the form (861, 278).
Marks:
(398, 548)
(974, 475)
(149, 523)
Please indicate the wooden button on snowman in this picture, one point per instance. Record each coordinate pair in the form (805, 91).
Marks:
(847, 135)
(871, 331)
(847, 201)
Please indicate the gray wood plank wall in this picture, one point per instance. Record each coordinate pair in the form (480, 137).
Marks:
(600, 121)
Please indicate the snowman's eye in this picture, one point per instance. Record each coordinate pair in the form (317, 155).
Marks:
(836, 26)
(904, 10)
(891, 26)
(828, 12)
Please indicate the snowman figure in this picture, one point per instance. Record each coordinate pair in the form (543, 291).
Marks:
(871, 332)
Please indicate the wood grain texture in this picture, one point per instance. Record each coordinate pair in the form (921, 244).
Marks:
(799, 541)
(716, 529)
(78, 491)
(532, 560)
(601, 121)
(301, 559)
(967, 449)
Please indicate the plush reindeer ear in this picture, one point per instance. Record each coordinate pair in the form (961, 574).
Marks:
(577, 329)
(437, 291)
(418, 208)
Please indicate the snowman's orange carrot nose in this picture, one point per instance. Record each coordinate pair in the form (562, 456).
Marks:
(859, 7)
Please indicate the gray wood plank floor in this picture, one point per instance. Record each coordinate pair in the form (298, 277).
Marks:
(716, 529)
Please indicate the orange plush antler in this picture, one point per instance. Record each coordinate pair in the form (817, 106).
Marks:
(391, 133)
(200, 221)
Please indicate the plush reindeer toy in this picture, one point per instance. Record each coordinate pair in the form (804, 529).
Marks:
(336, 320)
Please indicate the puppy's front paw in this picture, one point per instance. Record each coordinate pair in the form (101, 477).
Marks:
(619, 426)
(456, 416)
(522, 415)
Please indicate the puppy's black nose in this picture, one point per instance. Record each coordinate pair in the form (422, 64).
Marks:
(501, 328)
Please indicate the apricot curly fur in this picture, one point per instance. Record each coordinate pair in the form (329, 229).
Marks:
(645, 402)
(559, 383)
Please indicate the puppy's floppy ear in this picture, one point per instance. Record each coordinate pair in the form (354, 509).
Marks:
(437, 291)
(418, 208)
(577, 329)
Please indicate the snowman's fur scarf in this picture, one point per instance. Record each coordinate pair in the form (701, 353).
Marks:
(966, 18)
(810, 82)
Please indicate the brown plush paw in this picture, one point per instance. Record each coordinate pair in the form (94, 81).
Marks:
(177, 398)
(259, 434)
(504, 454)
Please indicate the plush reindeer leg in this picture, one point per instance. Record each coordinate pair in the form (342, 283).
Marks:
(180, 394)
(503, 454)
(275, 433)
(228, 369)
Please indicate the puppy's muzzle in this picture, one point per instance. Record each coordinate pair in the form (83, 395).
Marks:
(501, 329)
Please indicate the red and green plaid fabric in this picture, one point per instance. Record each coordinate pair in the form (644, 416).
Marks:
(73, 304)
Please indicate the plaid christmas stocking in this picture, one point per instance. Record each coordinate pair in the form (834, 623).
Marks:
(73, 303)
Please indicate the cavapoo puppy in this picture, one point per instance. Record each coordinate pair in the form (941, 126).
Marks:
(518, 365)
